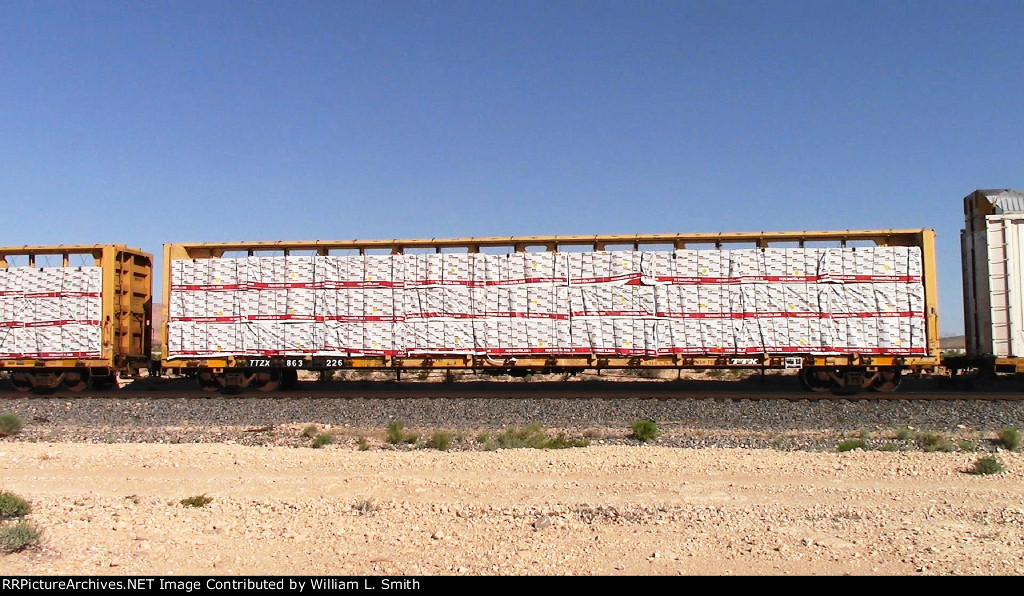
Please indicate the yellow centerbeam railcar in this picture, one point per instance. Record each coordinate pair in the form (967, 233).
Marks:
(123, 341)
(818, 372)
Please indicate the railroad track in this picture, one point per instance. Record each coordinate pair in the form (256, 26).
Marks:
(769, 413)
(773, 387)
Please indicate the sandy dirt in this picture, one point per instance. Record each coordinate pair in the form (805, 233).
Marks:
(632, 510)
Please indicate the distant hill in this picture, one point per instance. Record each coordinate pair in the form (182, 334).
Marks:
(953, 342)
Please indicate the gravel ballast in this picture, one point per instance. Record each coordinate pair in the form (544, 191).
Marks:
(688, 422)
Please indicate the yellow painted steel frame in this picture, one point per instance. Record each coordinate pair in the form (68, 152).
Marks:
(922, 238)
(126, 305)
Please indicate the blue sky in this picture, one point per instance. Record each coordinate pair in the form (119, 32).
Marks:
(145, 123)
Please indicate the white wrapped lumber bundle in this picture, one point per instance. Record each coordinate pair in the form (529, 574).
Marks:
(736, 301)
(50, 312)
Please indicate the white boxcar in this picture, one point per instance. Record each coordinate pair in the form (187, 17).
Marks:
(992, 249)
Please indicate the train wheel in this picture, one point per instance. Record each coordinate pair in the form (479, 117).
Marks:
(21, 382)
(76, 380)
(887, 380)
(207, 381)
(817, 380)
(267, 380)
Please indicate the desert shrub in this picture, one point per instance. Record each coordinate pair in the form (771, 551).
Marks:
(322, 439)
(889, 447)
(943, 445)
(533, 436)
(521, 437)
(197, 501)
(17, 537)
(11, 505)
(904, 434)
(310, 431)
(987, 465)
(931, 442)
(441, 440)
(645, 430)
(1010, 438)
(10, 425)
(530, 436)
(562, 442)
(363, 445)
(851, 444)
(967, 446)
(364, 506)
(395, 434)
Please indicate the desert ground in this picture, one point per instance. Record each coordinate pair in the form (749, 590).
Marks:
(115, 509)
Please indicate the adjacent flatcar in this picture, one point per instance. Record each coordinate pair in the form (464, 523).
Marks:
(74, 316)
